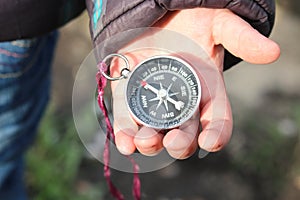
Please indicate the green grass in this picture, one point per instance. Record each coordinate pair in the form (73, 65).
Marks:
(54, 160)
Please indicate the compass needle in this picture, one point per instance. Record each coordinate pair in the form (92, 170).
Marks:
(147, 86)
(179, 105)
(163, 98)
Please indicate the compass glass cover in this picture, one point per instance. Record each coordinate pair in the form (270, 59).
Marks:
(163, 92)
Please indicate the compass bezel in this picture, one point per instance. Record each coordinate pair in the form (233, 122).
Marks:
(182, 120)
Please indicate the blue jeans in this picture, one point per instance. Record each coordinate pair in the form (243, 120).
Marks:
(24, 93)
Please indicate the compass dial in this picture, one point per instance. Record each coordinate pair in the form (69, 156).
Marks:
(163, 92)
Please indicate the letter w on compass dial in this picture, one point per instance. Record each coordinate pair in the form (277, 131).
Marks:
(163, 92)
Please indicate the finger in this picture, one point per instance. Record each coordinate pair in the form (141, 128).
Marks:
(216, 133)
(181, 143)
(242, 40)
(215, 116)
(148, 141)
(124, 126)
(124, 142)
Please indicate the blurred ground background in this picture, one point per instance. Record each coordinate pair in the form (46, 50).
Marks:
(261, 162)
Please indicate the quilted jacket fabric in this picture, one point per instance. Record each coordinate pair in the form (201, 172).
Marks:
(29, 18)
(122, 15)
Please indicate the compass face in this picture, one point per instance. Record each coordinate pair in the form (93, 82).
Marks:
(163, 92)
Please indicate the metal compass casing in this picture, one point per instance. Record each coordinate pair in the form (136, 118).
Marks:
(163, 92)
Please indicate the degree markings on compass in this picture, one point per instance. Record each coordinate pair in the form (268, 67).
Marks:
(188, 76)
(182, 72)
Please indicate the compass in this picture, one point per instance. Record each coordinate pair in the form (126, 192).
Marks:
(162, 92)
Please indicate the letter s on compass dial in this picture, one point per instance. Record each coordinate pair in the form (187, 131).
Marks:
(163, 92)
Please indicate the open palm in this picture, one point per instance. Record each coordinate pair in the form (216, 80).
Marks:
(211, 127)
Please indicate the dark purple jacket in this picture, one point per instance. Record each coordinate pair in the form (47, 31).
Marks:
(29, 18)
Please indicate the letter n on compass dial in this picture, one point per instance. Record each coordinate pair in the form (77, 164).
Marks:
(163, 92)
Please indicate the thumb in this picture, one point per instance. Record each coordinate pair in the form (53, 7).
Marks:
(242, 40)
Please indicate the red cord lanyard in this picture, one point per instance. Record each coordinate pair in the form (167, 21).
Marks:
(136, 189)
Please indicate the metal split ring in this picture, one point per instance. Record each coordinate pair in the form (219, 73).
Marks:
(124, 72)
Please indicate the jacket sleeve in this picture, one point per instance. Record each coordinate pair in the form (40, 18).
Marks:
(21, 19)
(109, 17)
